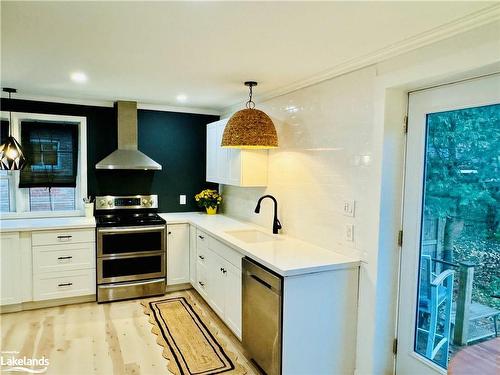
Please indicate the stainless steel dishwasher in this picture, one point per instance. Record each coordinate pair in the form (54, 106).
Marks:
(262, 314)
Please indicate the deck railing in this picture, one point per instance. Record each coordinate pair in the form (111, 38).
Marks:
(464, 299)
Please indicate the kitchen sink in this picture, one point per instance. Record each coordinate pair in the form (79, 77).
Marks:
(252, 236)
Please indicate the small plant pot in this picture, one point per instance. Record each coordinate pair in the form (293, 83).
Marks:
(211, 210)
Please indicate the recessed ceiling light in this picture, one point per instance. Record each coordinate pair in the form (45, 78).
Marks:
(181, 98)
(79, 77)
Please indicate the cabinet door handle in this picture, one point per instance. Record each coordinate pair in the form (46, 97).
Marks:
(201, 237)
(201, 257)
(169, 232)
(65, 284)
(223, 270)
(68, 257)
(202, 284)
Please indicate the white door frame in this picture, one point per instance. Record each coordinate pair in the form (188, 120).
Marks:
(444, 98)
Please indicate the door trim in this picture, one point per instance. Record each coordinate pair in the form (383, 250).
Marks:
(413, 126)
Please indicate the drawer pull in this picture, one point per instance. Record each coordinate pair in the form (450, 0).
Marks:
(62, 258)
(201, 257)
(202, 284)
(65, 284)
(201, 237)
(64, 238)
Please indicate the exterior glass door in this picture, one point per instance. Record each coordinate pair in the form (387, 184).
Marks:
(450, 279)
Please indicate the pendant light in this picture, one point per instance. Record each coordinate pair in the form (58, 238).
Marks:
(11, 153)
(250, 128)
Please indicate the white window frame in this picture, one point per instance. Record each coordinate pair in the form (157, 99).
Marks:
(21, 196)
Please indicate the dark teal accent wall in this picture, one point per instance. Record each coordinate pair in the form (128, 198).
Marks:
(175, 140)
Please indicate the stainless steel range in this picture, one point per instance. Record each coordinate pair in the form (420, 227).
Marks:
(130, 247)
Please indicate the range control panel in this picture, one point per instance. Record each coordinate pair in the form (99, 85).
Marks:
(111, 202)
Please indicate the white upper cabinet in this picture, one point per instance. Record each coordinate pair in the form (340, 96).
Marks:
(231, 166)
(212, 171)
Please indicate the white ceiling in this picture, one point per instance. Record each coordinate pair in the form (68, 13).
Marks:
(151, 52)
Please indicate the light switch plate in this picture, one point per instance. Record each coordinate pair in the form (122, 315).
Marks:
(349, 206)
(182, 199)
(349, 232)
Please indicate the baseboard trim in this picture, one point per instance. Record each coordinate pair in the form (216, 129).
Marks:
(177, 287)
(44, 304)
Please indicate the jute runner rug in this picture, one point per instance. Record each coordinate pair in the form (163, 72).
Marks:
(189, 343)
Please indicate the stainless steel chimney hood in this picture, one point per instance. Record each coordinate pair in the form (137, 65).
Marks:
(127, 156)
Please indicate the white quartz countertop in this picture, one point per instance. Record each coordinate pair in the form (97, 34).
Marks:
(286, 256)
(22, 225)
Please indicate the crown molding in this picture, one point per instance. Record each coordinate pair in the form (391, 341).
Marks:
(458, 26)
(166, 108)
(110, 103)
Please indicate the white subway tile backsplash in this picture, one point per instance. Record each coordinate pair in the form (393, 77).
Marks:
(325, 156)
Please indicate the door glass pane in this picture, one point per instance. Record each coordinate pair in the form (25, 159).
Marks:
(131, 242)
(131, 266)
(458, 301)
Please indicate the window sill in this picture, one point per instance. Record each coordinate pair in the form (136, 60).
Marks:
(41, 214)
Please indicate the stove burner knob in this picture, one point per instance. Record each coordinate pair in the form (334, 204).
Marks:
(110, 203)
(150, 202)
(144, 202)
(102, 202)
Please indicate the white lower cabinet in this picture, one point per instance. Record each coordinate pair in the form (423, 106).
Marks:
(218, 274)
(192, 255)
(217, 284)
(233, 299)
(10, 268)
(63, 263)
(63, 284)
(47, 264)
(178, 254)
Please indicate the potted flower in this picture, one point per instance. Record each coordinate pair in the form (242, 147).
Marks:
(209, 199)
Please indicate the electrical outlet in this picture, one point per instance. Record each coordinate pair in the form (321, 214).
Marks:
(349, 207)
(182, 199)
(349, 232)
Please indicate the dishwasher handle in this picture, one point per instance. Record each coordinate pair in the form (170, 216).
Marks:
(259, 280)
(265, 277)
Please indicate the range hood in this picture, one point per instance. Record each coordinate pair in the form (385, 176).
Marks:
(127, 156)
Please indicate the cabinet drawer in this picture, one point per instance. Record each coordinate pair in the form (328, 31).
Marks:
(201, 239)
(63, 284)
(202, 255)
(67, 257)
(54, 237)
(225, 252)
(202, 277)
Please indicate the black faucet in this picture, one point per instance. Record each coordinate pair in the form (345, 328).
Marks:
(276, 222)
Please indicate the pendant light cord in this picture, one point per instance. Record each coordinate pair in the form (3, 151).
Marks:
(10, 115)
(250, 104)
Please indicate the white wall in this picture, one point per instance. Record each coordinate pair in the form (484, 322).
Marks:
(343, 139)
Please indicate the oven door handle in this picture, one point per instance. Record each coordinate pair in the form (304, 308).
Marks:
(137, 254)
(129, 283)
(145, 228)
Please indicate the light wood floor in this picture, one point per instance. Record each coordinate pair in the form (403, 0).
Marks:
(90, 338)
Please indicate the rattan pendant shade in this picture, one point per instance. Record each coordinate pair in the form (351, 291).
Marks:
(250, 128)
